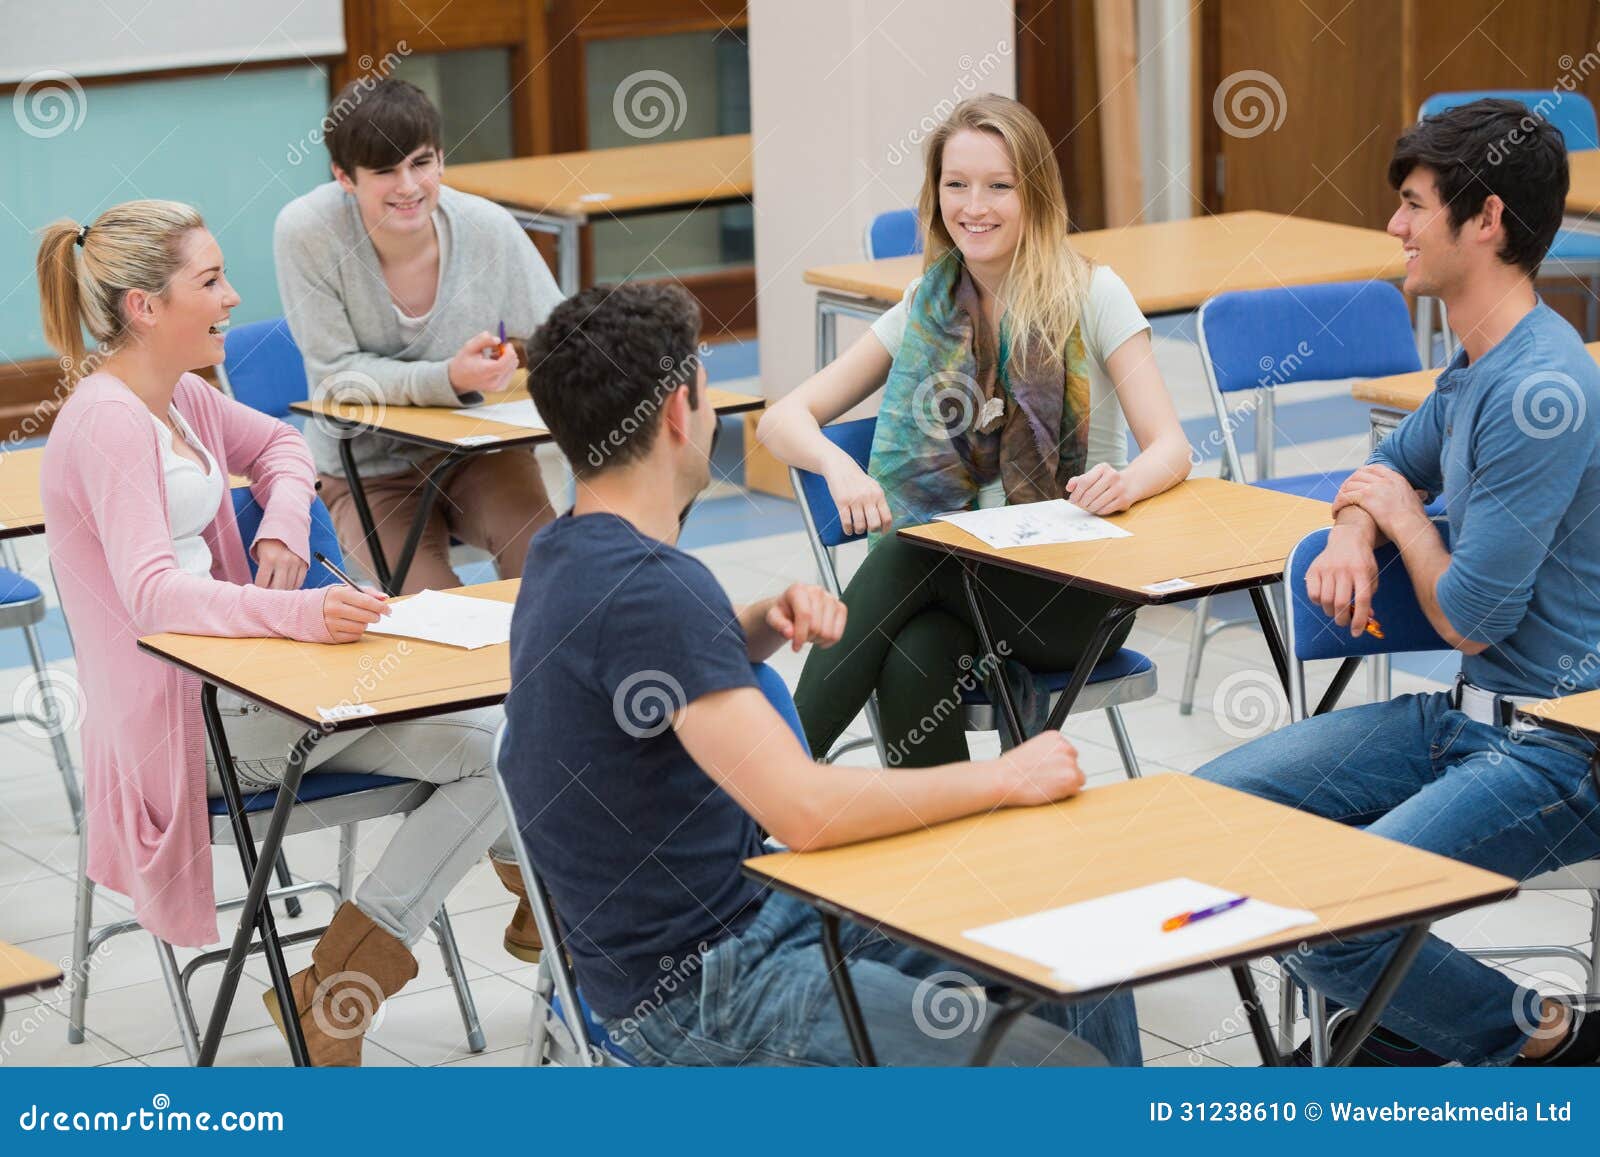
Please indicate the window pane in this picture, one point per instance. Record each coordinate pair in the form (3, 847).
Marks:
(665, 88)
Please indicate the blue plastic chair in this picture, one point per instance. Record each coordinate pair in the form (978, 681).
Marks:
(22, 608)
(262, 368)
(1124, 677)
(1572, 254)
(325, 800)
(1313, 636)
(892, 234)
(1260, 342)
(555, 986)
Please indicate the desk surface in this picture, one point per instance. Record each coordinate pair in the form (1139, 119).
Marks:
(1583, 191)
(398, 678)
(447, 428)
(1405, 392)
(636, 178)
(1215, 535)
(931, 886)
(22, 972)
(1575, 714)
(1175, 265)
(21, 506)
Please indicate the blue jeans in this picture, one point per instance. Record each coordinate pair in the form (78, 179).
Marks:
(763, 997)
(1419, 772)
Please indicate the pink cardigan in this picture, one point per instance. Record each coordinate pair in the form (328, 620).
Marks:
(105, 505)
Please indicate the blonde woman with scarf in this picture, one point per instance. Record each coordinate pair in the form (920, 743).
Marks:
(1011, 372)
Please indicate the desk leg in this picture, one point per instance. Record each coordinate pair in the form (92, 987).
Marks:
(1255, 1012)
(1015, 1004)
(1088, 661)
(1341, 680)
(256, 913)
(827, 334)
(1378, 999)
(990, 659)
(369, 530)
(432, 490)
(845, 992)
(1269, 628)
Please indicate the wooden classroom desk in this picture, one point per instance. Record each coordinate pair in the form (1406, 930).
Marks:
(560, 192)
(1393, 397)
(379, 679)
(931, 886)
(1583, 191)
(1170, 267)
(1202, 537)
(21, 505)
(21, 973)
(456, 434)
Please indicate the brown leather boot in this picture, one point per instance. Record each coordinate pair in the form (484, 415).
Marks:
(354, 968)
(522, 934)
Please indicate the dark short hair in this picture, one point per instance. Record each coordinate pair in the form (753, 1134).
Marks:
(603, 364)
(1493, 146)
(375, 125)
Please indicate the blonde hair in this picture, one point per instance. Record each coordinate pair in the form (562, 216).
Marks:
(86, 271)
(1049, 280)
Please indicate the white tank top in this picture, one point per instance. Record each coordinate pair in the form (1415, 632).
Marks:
(193, 495)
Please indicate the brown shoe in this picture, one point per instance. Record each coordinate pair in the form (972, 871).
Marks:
(354, 968)
(522, 934)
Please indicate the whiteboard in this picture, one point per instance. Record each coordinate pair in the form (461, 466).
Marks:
(85, 38)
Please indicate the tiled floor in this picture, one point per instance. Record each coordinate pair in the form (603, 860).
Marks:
(1193, 1021)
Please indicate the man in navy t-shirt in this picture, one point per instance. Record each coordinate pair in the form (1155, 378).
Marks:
(644, 762)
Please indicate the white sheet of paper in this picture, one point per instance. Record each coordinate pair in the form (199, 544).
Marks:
(1119, 936)
(1034, 524)
(456, 620)
(523, 413)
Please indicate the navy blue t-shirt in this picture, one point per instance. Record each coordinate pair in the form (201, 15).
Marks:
(613, 632)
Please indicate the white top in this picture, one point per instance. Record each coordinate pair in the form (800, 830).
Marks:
(1110, 317)
(193, 495)
(412, 325)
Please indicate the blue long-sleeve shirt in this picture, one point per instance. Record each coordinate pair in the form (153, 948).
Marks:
(1512, 441)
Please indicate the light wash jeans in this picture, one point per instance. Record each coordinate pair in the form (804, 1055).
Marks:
(437, 843)
(763, 997)
(1417, 771)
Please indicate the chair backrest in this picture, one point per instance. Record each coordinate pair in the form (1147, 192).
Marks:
(892, 234)
(1313, 635)
(247, 512)
(817, 508)
(1570, 112)
(262, 367)
(1265, 339)
(777, 693)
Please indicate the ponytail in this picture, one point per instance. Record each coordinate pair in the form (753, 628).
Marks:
(85, 272)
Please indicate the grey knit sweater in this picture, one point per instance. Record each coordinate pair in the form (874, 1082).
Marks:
(341, 315)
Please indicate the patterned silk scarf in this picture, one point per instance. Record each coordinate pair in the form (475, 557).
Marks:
(950, 424)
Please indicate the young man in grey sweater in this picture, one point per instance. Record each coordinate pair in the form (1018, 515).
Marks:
(392, 285)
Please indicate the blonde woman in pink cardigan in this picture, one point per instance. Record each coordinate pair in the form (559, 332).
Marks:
(143, 539)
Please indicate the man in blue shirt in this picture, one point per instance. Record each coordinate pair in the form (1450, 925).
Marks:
(644, 763)
(1510, 437)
